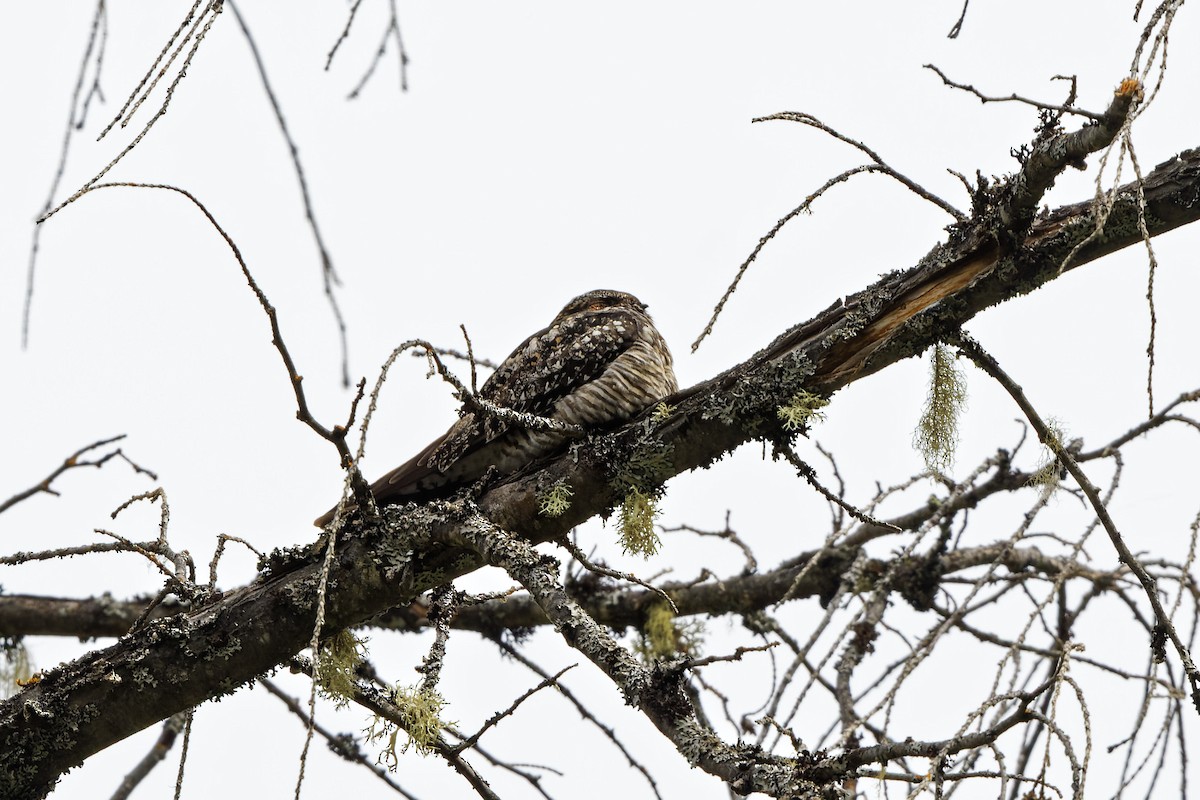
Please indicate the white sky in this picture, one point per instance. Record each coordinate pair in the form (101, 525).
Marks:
(543, 149)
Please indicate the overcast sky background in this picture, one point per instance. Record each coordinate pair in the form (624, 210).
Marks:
(544, 149)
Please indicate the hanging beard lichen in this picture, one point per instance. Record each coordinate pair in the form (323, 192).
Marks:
(936, 435)
(636, 522)
(663, 636)
(338, 659)
(1048, 474)
(420, 712)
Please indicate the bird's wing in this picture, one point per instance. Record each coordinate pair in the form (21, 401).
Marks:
(410, 478)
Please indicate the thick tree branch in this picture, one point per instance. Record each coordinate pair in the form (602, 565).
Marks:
(617, 607)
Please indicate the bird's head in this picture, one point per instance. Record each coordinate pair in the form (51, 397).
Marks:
(601, 300)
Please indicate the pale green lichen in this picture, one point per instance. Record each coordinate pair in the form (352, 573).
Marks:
(339, 660)
(662, 636)
(420, 713)
(662, 412)
(556, 500)
(801, 409)
(635, 521)
(936, 435)
(638, 480)
(1048, 474)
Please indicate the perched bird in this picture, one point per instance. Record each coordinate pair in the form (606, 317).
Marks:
(601, 361)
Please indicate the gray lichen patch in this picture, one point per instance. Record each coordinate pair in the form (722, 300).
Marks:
(750, 402)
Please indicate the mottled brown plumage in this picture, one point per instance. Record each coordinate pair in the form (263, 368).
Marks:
(600, 362)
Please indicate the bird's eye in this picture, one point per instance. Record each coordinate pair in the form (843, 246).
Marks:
(596, 306)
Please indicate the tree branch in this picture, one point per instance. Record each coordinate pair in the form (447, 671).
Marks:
(210, 651)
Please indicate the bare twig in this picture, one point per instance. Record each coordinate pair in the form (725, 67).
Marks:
(1153, 422)
(343, 35)
(470, 359)
(769, 235)
(197, 34)
(885, 168)
(600, 569)
(74, 461)
(957, 27)
(390, 31)
(495, 719)
(189, 717)
(983, 98)
(336, 436)
(727, 534)
(166, 740)
(809, 474)
(879, 166)
(137, 92)
(222, 538)
(448, 352)
(74, 123)
(584, 712)
(123, 546)
(329, 276)
(314, 644)
(736, 655)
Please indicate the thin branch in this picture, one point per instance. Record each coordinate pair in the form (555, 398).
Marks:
(957, 27)
(775, 229)
(1150, 424)
(448, 352)
(343, 35)
(74, 461)
(189, 717)
(736, 655)
(885, 168)
(495, 719)
(162, 746)
(584, 712)
(197, 34)
(727, 534)
(337, 436)
(599, 569)
(809, 474)
(329, 276)
(983, 98)
(222, 538)
(137, 90)
(99, 18)
(390, 31)
(124, 546)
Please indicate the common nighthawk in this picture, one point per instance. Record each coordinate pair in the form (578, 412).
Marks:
(601, 361)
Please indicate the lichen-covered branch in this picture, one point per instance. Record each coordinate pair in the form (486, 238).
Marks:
(175, 663)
